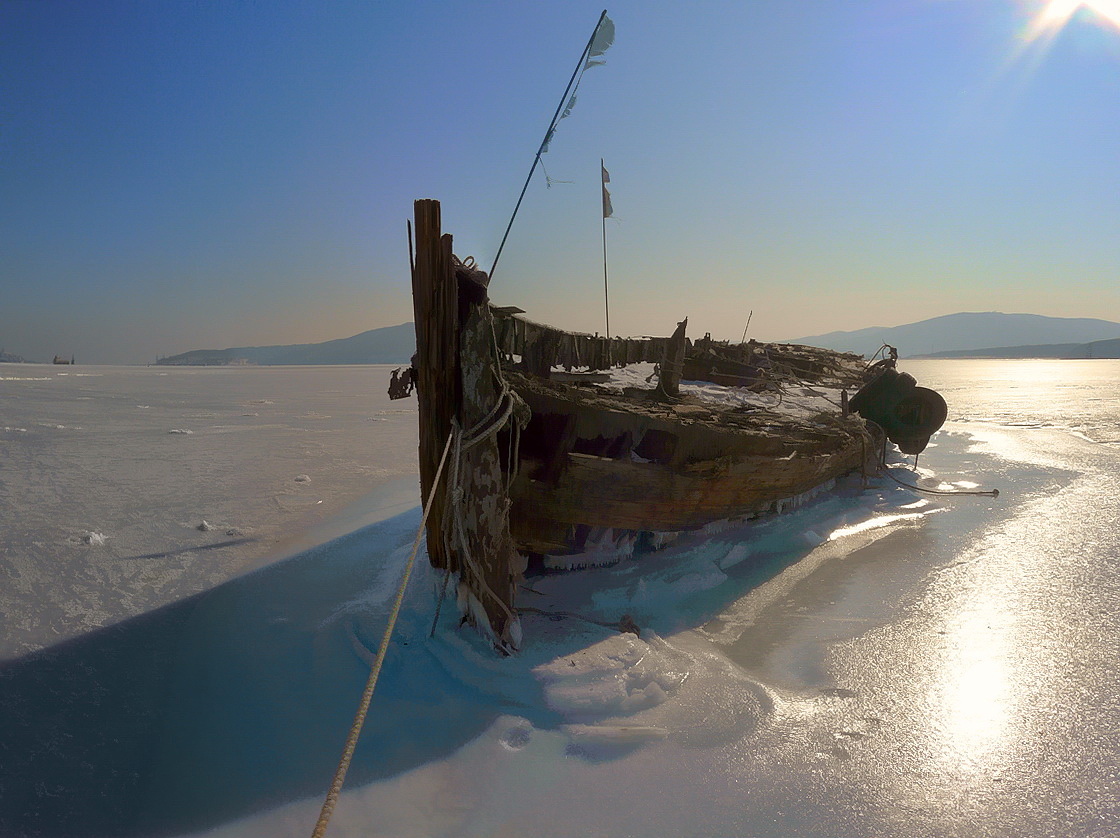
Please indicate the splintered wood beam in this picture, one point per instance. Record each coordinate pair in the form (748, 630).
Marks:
(435, 302)
(673, 362)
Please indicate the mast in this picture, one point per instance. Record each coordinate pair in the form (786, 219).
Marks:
(606, 212)
(548, 135)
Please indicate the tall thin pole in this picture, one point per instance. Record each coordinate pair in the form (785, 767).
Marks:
(547, 135)
(606, 298)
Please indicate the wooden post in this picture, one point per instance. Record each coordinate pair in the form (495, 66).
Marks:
(456, 379)
(435, 302)
(673, 362)
(485, 506)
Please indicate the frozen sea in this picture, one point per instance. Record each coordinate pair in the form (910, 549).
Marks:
(195, 564)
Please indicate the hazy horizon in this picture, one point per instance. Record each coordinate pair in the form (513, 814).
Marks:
(176, 177)
(1015, 338)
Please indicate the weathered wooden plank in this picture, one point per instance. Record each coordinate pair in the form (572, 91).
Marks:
(434, 300)
(672, 364)
(485, 508)
(596, 415)
(654, 497)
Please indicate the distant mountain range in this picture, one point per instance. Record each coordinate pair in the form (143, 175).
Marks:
(977, 334)
(1093, 349)
(974, 334)
(388, 345)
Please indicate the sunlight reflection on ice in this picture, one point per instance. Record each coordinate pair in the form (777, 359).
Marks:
(995, 660)
(975, 691)
(877, 522)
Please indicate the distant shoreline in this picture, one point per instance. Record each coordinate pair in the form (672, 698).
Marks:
(1097, 349)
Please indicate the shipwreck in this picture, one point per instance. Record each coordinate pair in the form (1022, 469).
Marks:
(542, 458)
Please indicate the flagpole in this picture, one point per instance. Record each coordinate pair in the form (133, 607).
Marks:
(606, 299)
(547, 135)
(749, 316)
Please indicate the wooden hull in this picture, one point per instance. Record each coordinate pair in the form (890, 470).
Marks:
(588, 463)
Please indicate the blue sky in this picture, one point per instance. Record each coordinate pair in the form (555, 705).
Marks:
(179, 175)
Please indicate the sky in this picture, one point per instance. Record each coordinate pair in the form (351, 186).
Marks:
(181, 175)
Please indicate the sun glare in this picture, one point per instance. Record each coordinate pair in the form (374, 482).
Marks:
(1056, 13)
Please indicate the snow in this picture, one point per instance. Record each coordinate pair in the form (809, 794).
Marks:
(799, 401)
(580, 699)
(871, 661)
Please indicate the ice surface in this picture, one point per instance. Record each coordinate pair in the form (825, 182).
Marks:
(949, 670)
(108, 452)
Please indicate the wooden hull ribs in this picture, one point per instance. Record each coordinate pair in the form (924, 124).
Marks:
(548, 462)
(646, 469)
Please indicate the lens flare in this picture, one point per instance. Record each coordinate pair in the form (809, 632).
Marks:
(1056, 13)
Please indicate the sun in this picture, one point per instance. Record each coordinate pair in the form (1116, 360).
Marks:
(1056, 13)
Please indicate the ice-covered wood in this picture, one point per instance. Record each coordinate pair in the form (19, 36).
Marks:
(484, 510)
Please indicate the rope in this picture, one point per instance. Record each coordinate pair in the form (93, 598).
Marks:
(499, 415)
(493, 422)
(993, 493)
(367, 695)
(439, 602)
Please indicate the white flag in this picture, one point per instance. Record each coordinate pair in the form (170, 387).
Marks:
(604, 37)
(600, 42)
(608, 210)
